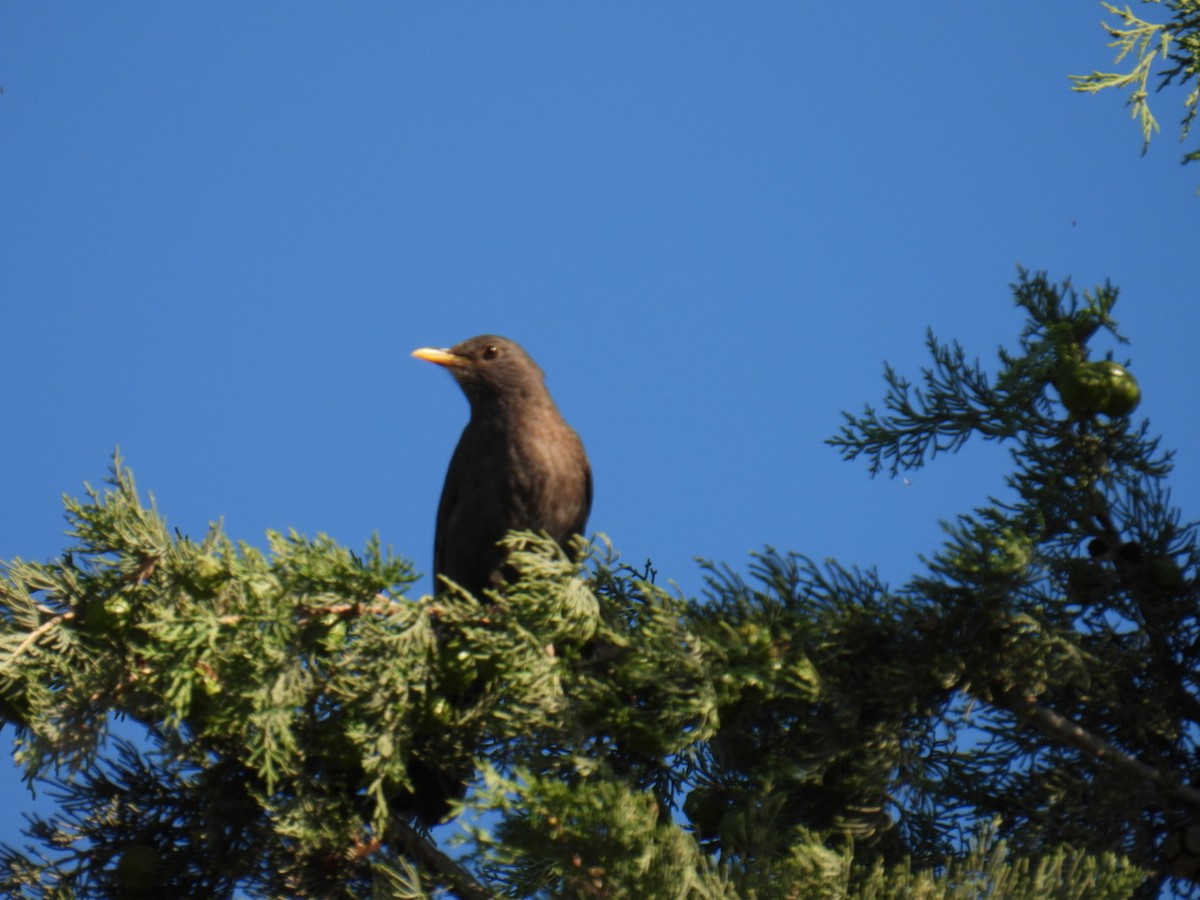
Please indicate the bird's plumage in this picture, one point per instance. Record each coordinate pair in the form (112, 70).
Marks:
(518, 465)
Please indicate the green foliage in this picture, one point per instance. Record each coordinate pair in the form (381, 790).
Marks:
(1176, 40)
(286, 695)
(1018, 720)
(588, 837)
(990, 870)
(1071, 604)
(224, 655)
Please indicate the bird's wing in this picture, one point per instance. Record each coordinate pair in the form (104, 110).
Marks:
(445, 515)
(470, 519)
(581, 524)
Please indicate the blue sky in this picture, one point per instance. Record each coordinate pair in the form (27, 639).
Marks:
(223, 228)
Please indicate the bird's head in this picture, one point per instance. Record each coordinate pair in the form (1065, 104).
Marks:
(490, 370)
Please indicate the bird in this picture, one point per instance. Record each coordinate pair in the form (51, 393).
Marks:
(518, 465)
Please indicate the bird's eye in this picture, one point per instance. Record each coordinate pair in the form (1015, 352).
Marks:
(491, 351)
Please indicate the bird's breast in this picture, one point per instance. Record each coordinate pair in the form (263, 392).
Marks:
(547, 473)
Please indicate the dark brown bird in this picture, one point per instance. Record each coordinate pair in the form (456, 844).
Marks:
(518, 466)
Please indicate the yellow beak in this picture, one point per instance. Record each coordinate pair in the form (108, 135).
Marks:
(441, 357)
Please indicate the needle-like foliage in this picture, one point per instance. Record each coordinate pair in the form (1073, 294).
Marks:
(1020, 719)
(1174, 43)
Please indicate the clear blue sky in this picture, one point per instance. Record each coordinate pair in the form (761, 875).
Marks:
(224, 227)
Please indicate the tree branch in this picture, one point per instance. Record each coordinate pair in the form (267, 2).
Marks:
(1065, 731)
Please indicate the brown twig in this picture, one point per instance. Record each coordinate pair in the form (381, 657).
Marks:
(1063, 729)
(33, 636)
